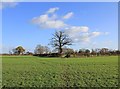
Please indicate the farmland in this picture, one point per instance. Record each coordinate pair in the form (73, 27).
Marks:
(29, 71)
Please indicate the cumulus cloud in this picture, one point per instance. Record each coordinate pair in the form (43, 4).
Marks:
(76, 29)
(79, 34)
(85, 37)
(54, 24)
(68, 15)
(41, 19)
(46, 21)
(52, 10)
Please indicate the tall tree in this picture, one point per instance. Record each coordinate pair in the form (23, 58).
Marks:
(59, 40)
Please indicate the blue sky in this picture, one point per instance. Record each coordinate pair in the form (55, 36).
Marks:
(90, 25)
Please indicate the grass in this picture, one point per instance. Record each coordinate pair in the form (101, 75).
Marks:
(29, 71)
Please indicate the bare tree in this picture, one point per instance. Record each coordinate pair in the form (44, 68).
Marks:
(59, 40)
(39, 49)
(68, 51)
(46, 49)
(42, 49)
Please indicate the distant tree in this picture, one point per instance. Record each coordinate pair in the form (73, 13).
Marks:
(82, 50)
(117, 52)
(47, 49)
(75, 53)
(39, 49)
(93, 52)
(97, 51)
(42, 49)
(67, 55)
(55, 51)
(87, 51)
(10, 52)
(68, 51)
(14, 51)
(19, 50)
(29, 53)
(59, 40)
(104, 51)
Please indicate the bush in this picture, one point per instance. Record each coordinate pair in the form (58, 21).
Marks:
(67, 56)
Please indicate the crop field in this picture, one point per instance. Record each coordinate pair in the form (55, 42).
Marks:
(29, 71)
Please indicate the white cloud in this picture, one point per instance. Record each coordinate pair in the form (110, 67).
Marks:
(46, 21)
(78, 33)
(94, 34)
(52, 10)
(76, 29)
(68, 15)
(80, 37)
(40, 19)
(81, 33)
(54, 24)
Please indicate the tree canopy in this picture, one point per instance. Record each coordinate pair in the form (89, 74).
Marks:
(19, 50)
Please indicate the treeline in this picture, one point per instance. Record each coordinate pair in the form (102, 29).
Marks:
(44, 51)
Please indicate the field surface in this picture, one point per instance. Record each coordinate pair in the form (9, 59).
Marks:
(29, 71)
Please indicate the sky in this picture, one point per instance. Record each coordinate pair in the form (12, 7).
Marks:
(88, 24)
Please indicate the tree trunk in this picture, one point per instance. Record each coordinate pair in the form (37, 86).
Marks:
(60, 51)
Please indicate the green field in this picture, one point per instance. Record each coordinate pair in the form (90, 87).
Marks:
(29, 71)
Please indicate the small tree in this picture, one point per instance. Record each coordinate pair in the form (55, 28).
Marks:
(87, 51)
(59, 40)
(103, 51)
(42, 49)
(68, 51)
(39, 49)
(93, 53)
(19, 50)
(46, 49)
